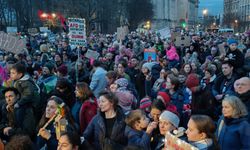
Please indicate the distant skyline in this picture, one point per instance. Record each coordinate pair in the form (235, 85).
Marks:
(214, 7)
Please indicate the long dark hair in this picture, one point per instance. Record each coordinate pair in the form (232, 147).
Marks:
(206, 125)
(67, 113)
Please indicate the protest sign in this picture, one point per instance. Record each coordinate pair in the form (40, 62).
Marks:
(174, 143)
(164, 33)
(92, 54)
(32, 31)
(182, 41)
(44, 29)
(150, 55)
(11, 43)
(122, 32)
(77, 31)
(11, 29)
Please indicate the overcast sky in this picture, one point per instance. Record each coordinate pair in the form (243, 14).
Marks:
(214, 7)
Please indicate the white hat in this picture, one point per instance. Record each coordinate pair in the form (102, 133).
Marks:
(171, 117)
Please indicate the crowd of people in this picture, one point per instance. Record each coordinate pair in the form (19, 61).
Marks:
(54, 97)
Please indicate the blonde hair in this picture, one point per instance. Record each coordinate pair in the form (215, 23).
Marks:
(133, 117)
(239, 108)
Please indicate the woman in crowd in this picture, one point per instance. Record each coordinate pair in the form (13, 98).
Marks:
(106, 130)
(69, 141)
(200, 132)
(56, 110)
(85, 107)
(233, 130)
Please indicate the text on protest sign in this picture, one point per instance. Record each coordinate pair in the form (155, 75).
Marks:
(77, 31)
(11, 43)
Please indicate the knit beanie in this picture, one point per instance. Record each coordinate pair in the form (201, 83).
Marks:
(165, 96)
(49, 65)
(171, 117)
(63, 70)
(148, 65)
(145, 103)
(122, 82)
(232, 41)
(192, 81)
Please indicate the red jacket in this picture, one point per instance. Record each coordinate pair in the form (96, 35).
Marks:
(87, 112)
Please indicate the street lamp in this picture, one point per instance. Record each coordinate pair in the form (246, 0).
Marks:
(204, 12)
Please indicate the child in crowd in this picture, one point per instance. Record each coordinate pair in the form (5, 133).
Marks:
(168, 122)
(136, 123)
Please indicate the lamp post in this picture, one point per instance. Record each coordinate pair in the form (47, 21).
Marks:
(236, 24)
(204, 13)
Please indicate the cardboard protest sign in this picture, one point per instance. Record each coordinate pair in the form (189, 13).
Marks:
(150, 55)
(182, 41)
(11, 43)
(164, 33)
(122, 32)
(77, 31)
(174, 143)
(92, 54)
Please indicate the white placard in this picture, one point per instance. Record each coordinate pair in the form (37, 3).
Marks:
(77, 31)
(11, 43)
(11, 29)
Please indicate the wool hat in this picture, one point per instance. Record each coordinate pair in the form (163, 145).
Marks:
(49, 65)
(192, 80)
(145, 103)
(148, 65)
(171, 117)
(63, 70)
(232, 41)
(165, 96)
(122, 82)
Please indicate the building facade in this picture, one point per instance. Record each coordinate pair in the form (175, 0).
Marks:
(237, 14)
(172, 13)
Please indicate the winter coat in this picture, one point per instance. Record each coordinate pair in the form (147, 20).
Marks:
(222, 85)
(22, 120)
(87, 111)
(137, 138)
(96, 130)
(98, 81)
(233, 134)
(29, 91)
(245, 97)
(172, 54)
(236, 58)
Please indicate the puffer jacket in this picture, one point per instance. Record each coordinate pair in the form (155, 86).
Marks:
(96, 130)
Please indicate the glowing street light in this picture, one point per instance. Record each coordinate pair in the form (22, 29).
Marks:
(236, 21)
(53, 15)
(205, 12)
(44, 15)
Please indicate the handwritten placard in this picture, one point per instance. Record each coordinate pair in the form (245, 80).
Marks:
(77, 31)
(92, 54)
(11, 43)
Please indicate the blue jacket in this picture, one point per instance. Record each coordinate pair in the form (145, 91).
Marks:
(234, 134)
(98, 81)
(137, 138)
(96, 130)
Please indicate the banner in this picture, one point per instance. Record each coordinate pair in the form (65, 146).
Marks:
(77, 31)
(92, 54)
(122, 32)
(150, 55)
(174, 143)
(11, 43)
